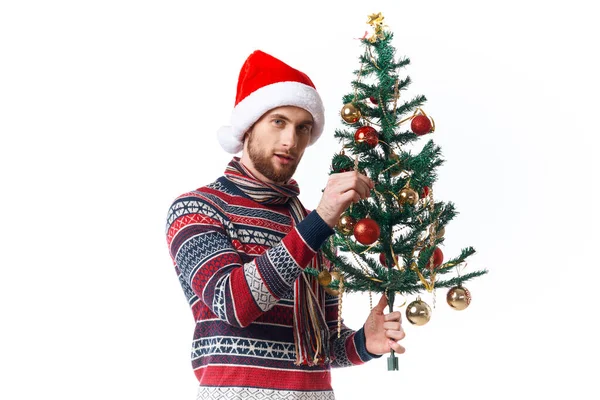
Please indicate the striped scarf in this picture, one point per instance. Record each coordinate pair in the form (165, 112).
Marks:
(311, 335)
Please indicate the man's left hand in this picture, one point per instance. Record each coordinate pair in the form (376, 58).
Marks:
(382, 331)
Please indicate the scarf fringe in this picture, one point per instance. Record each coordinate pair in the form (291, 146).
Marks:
(312, 346)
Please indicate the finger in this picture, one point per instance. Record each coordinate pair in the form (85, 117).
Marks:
(381, 305)
(365, 195)
(354, 176)
(350, 196)
(365, 192)
(345, 183)
(393, 316)
(368, 181)
(396, 347)
(395, 335)
(365, 184)
(394, 325)
(354, 180)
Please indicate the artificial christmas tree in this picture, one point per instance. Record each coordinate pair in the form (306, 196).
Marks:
(390, 243)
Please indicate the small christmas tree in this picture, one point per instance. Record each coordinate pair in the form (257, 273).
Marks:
(392, 240)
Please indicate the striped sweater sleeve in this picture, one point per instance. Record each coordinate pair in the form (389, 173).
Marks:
(208, 263)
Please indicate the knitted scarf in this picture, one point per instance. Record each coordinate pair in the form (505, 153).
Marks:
(311, 335)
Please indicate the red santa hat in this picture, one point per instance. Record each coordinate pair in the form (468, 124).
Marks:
(266, 83)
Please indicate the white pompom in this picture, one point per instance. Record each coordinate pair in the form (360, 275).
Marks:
(230, 142)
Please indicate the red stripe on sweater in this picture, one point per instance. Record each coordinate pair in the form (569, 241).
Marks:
(252, 250)
(245, 306)
(351, 352)
(186, 220)
(256, 222)
(297, 249)
(236, 375)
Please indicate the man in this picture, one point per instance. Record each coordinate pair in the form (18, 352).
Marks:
(264, 329)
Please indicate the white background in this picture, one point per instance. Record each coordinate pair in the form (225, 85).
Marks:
(109, 110)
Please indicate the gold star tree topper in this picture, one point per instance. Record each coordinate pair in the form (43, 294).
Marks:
(376, 21)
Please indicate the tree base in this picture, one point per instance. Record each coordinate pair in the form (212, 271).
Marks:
(392, 362)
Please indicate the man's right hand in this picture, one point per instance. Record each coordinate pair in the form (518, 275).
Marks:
(342, 189)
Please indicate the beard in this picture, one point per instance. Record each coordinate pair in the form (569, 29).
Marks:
(263, 162)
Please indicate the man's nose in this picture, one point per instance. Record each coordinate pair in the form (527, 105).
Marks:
(288, 137)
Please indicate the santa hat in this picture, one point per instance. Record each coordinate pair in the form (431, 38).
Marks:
(266, 83)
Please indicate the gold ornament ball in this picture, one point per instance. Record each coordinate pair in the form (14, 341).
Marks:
(418, 313)
(324, 278)
(346, 224)
(459, 298)
(350, 113)
(408, 195)
(396, 170)
(335, 275)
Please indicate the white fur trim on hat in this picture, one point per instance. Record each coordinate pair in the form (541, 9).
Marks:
(229, 141)
(255, 105)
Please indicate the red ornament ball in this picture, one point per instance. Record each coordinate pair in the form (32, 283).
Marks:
(368, 135)
(373, 99)
(366, 231)
(420, 125)
(425, 192)
(382, 259)
(438, 258)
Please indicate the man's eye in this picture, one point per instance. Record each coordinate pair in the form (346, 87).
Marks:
(304, 128)
(278, 121)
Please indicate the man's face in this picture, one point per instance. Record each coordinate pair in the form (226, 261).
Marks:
(276, 143)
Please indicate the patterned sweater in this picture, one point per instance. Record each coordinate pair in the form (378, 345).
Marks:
(237, 260)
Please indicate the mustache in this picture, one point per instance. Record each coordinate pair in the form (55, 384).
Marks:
(289, 154)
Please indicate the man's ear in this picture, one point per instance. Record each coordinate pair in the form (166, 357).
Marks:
(245, 138)
(248, 133)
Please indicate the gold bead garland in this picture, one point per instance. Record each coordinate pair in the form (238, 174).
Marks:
(339, 322)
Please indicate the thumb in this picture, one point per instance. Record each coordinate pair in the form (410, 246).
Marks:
(382, 303)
